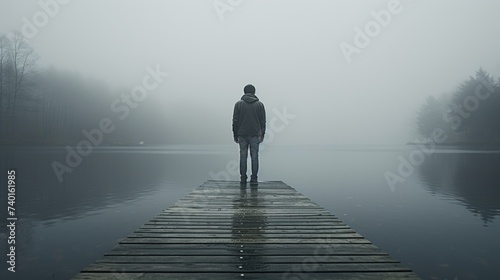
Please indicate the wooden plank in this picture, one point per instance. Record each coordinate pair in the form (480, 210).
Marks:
(232, 245)
(254, 223)
(244, 227)
(249, 218)
(235, 194)
(246, 224)
(244, 259)
(240, 234)
(223, 231)
(225, 194)
(248, 211)
(252, 276)
(304, 252)
(229, 267)
(247, 231)
(328, 248)
(239, 202)
(231, 199)
(263, 211)
(270, 229)
(242, 207)
(337, 240)
(249, 249)
(237, 205)
(249, 214)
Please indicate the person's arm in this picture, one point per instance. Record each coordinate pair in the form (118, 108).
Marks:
(263, 122)
(236, 114)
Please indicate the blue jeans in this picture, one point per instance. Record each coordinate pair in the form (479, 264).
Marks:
(246, 142)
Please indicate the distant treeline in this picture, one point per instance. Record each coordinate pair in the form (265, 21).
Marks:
(47, 106)
(469, 115)
(52, 107)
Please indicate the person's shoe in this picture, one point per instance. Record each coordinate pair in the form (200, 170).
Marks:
(243, 180)
(253, 182)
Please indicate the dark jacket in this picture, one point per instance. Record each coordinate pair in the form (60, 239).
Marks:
(249, 117)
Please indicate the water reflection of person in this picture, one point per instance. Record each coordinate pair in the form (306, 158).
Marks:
(248, 231)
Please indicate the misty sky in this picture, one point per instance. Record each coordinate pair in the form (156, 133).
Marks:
(290, 50)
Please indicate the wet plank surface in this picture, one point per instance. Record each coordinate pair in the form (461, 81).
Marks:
(224, 230)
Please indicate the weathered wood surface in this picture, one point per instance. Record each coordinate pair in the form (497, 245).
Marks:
(224, 230)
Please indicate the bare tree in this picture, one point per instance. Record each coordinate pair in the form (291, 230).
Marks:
(18, 63)
(3, 68)
(23, 62)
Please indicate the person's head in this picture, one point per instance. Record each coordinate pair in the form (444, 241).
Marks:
(249, 89)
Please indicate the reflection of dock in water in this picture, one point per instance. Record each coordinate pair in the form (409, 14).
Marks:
(223, 230)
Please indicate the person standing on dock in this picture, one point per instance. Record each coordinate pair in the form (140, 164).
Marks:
(249, 127)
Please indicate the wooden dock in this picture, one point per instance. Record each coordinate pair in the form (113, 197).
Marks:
(224, 230)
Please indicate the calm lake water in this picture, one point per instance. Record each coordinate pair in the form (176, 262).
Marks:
(442, 221)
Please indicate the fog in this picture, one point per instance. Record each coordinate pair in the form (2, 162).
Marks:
(290, 50)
